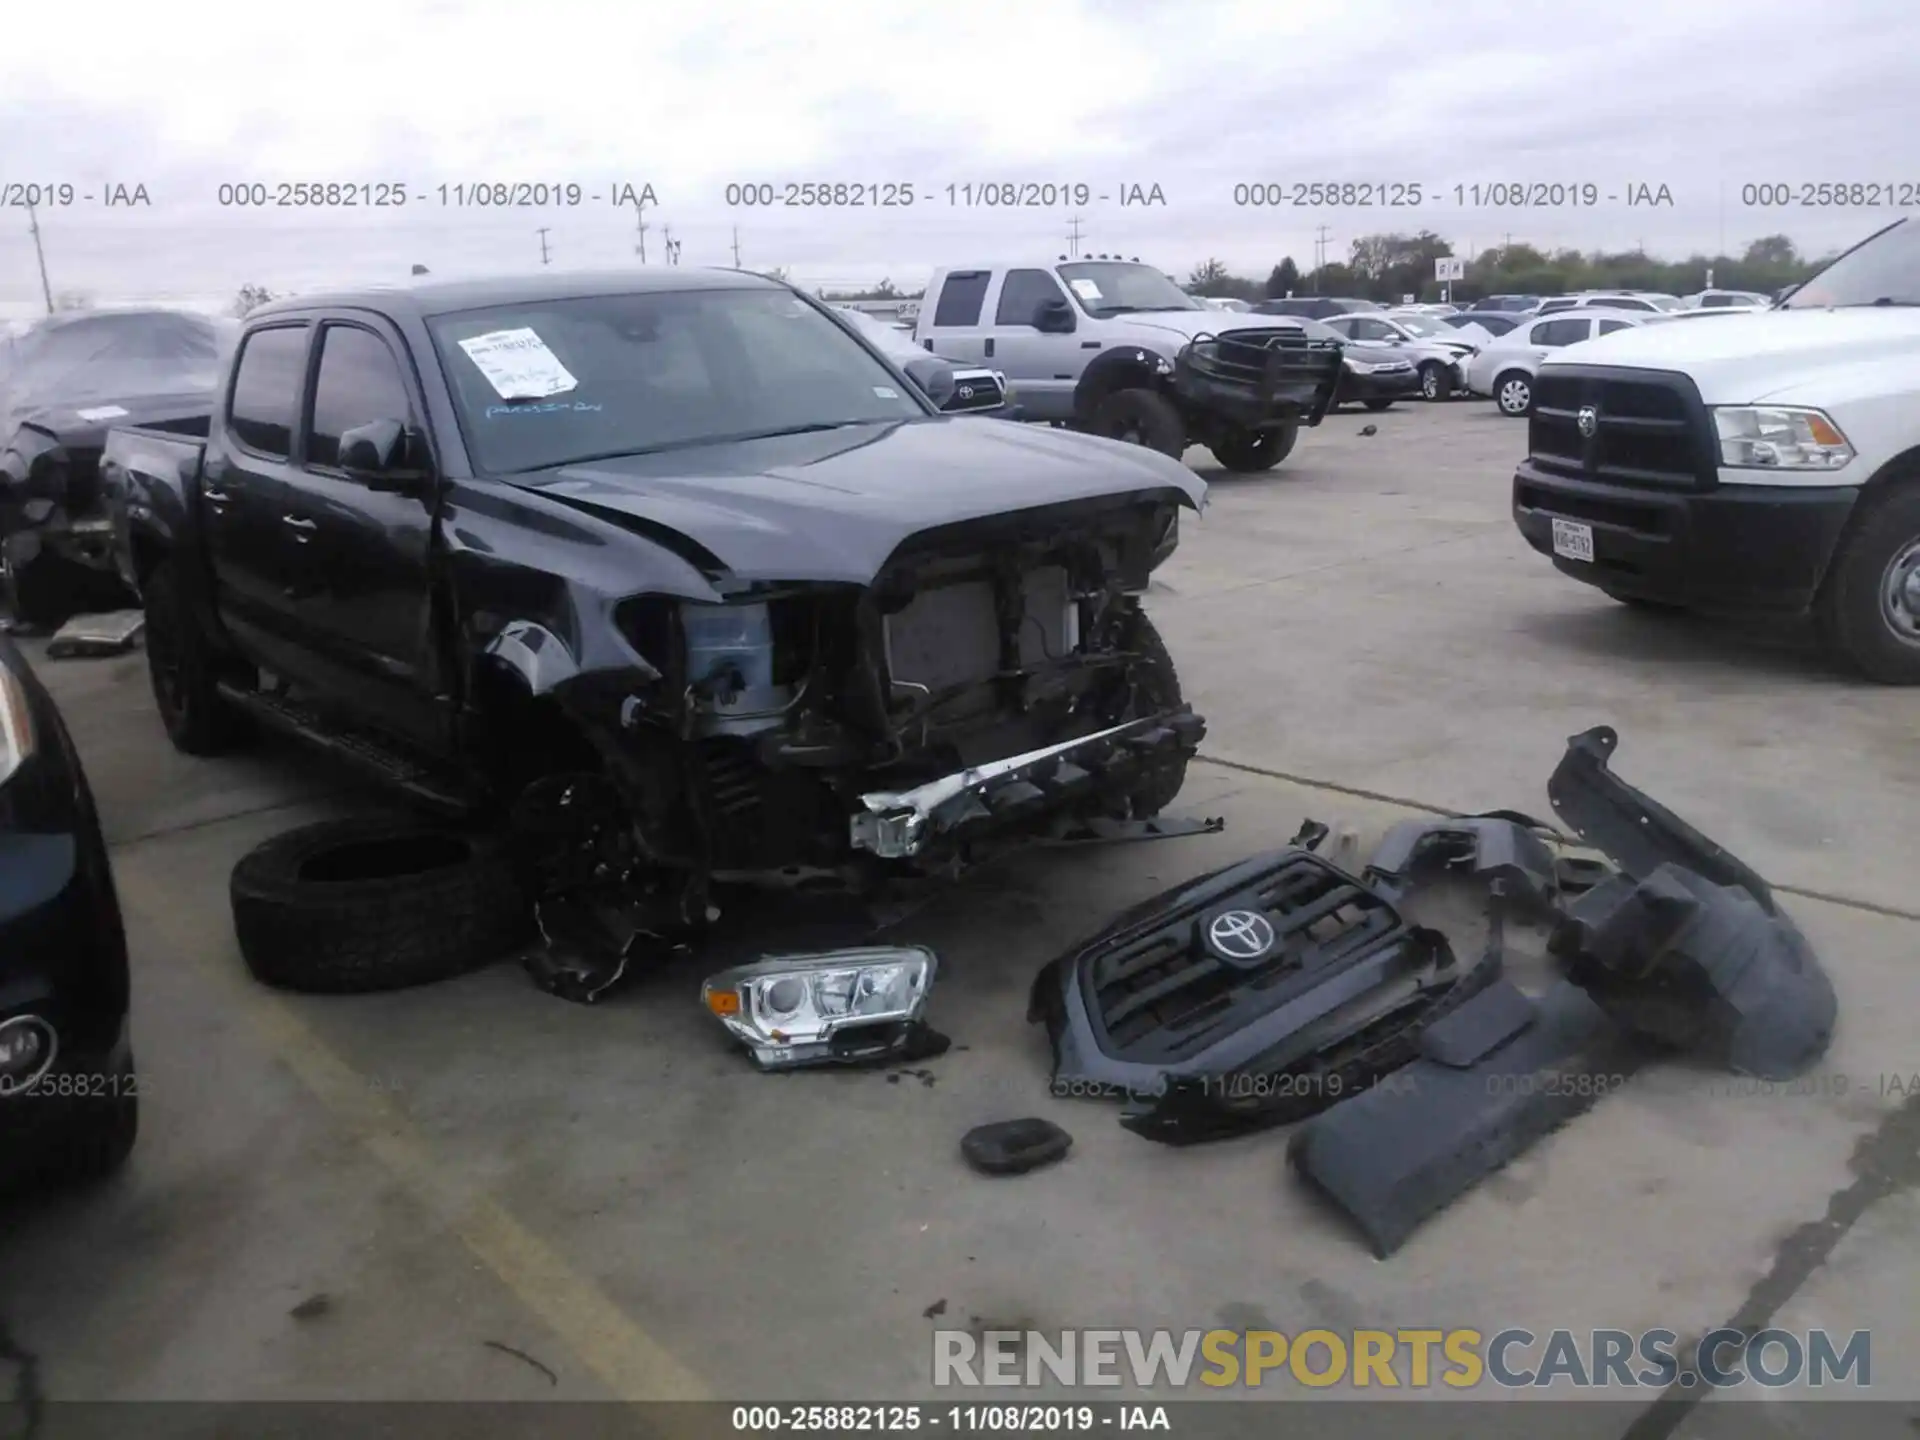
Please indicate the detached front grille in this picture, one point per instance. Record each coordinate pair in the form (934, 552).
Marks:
(1164, 989)
(1649, 428)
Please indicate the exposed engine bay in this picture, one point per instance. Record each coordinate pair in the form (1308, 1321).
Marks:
(988, 688)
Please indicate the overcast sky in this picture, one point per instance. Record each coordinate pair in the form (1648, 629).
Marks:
(1703, 97)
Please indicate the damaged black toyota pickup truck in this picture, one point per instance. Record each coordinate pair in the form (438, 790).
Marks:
(674, 563)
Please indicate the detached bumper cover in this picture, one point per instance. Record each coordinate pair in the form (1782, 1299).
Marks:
(900, 824)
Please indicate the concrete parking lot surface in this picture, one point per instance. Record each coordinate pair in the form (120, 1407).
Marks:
(476, 1191)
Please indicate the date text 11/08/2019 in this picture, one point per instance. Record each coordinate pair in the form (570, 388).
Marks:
(968, 195)
(1478, 195)
(1004, 1419)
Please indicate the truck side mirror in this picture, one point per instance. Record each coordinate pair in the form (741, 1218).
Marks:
(381, 456)
(933, 375)
(1053, 317)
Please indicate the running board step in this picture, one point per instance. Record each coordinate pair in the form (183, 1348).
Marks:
(363, 752)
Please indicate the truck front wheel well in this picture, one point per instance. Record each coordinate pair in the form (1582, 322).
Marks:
(1902, 472)
(1125, 369)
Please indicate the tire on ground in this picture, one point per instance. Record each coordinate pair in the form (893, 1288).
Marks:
(1854, 605)
(1159, 691)
(1250, 451)
(375, 903)
(1146, 414)
(180, 666)
(1435, 381)
(95, 1135)
(1525, 383)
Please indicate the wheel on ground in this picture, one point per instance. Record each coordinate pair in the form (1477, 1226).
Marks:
(180, 665)
(1142, 417)
(94, 1131)
(48, 590)
(1250, 451)
(1378, 404)
(377, 903)
(1513, 393)
(1869, 610)
(1436, 383)
(1156, 689)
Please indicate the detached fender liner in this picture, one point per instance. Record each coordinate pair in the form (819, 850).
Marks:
(1493, 1077)
(375, 903)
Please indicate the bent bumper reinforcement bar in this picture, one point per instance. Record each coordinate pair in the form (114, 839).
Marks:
(896, 824)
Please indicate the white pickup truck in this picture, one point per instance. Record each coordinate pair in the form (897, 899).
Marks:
(1764, 462)
(1115, 348)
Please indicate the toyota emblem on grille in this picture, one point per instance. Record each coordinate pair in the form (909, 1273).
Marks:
(1240, 935)
(1589, 421)
(966, 392)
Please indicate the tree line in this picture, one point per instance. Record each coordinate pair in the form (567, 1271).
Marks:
(1388, 266)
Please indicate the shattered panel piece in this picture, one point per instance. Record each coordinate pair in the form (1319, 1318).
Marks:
(1496, 849)
(1013, 1147)
(86, 635)
(1687, 945)
(1703, 967)
(1399, 1152)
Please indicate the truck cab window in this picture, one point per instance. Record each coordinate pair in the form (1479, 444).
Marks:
(266, 389)
(359, 382)
(1024, 292)
(962, 298)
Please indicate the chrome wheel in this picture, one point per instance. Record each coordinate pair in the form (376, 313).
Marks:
(1432, 387)
(1900, 595)
(1515, 396)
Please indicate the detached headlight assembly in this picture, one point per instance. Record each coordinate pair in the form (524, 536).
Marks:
(1765, 437)
(836, 1007)
(16, 724)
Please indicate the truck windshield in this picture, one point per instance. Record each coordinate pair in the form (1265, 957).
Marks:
(555, 382)
(1109, 287)
(1883, 269)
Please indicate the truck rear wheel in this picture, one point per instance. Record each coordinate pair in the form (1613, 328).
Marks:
(1142, 417)
(1869, 613)
(181, 666)
(1251, 451)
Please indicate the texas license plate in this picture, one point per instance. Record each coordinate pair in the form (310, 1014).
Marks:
(1573, 541)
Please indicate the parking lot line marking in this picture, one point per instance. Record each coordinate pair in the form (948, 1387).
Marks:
(1825, 897)
(622, 1356)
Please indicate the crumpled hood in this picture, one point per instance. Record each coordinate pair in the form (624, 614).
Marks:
(1741, 358)
(834, 506)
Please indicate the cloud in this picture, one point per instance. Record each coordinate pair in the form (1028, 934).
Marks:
(1703, 96)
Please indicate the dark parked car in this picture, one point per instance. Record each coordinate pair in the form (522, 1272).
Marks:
(1514, 304)
(68, 1103)
(1315, 307)
(677, 545)
(1372, 374)
(63, 384)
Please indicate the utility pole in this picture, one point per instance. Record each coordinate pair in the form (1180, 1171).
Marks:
(672, 245)
(640, 229)
(543, 245)
(736, 247)
(1073, 236)
(33, 224)
(1321, 239)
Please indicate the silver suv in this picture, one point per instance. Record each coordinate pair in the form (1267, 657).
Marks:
(1114, 347)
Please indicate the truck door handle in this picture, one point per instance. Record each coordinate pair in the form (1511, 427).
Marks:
(217, 497)
(989, 347)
